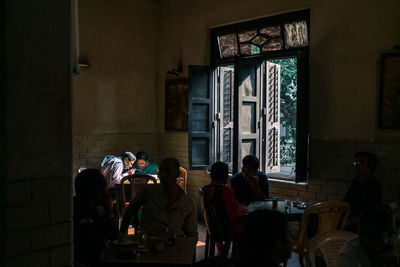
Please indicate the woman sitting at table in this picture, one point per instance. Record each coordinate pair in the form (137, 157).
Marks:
(142, 164)
(222, 197)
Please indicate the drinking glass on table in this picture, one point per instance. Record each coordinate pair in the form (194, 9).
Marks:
(288, 205)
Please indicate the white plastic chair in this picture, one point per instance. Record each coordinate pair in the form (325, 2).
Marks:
(329, 244)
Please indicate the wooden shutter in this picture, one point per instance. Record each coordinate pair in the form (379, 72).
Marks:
(224, 136)
(248, 117)
(272, 117)
(302, 130)
(200, 117)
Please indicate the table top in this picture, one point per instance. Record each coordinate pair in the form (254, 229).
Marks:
(181, 253)
(295, 213)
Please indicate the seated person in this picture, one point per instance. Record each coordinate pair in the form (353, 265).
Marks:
(94, 221)
(265, 240)
(142, 164)
(113, 168)
(166, 207)
(250, 184)
(372, 247)
(364, 190)
(222, 197)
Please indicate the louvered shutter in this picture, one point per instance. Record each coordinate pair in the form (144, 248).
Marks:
(200, 117)
(225, 115)
(272, 110)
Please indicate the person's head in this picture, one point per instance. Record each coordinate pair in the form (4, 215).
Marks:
(365, 163)
(375, 229)
(90, 184)
(141, 159)
(250, 165)
(128, 158)
(266, 235)
(168, 171)
(219, 172)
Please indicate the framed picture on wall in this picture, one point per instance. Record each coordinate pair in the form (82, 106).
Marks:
(176, 105)
(389, 91)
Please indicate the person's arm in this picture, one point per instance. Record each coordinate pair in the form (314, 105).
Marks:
(190, 222)
(118, 173)
(263, 184)
(253, 182)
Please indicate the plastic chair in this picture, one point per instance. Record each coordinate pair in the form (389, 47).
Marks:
(330, 215)
(215, 235)
(329, 244)
(184, 177)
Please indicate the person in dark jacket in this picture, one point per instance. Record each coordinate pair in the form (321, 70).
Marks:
(364, 190)
(250, 184)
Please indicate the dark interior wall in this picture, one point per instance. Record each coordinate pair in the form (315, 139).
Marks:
(117, 93)
(37, 129)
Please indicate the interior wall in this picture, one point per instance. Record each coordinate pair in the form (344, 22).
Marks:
(119, 39)
(346, 41)
(35, 183)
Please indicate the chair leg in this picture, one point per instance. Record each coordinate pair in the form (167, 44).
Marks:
(301, 260)
(207, 246)
(212, 247)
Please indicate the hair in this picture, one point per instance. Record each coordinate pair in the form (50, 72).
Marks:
(142, 155)
(251, 161)
(372, 159)
(262, 229)
(128, 155)
(88, 182)
(219, 171)
(378, 218)
(175, 161)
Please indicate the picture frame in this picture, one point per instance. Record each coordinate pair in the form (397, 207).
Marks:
(176, 104)
(389, 91)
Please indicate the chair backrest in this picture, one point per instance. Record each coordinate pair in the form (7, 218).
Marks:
(184, 177)
(330, 215)
(135, 181)
(329, 244)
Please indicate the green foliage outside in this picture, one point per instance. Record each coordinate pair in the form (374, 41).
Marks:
(288, 110)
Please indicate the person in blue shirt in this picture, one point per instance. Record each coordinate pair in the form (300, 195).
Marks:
(142, 164)
(250, 184)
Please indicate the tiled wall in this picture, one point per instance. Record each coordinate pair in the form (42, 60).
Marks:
(331, 167)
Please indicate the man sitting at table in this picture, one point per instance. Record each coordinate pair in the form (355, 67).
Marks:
(364, 190)
(250, 184)
(142, 164)
(166, 207)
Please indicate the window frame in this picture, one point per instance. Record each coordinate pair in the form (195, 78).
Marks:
(302, 55)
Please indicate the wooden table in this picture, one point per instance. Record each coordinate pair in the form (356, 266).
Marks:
(294, 215)
(181, 254)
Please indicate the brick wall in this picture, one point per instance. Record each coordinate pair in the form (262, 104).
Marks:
(331, 167)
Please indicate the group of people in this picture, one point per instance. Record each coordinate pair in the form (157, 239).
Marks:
(166, 208)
